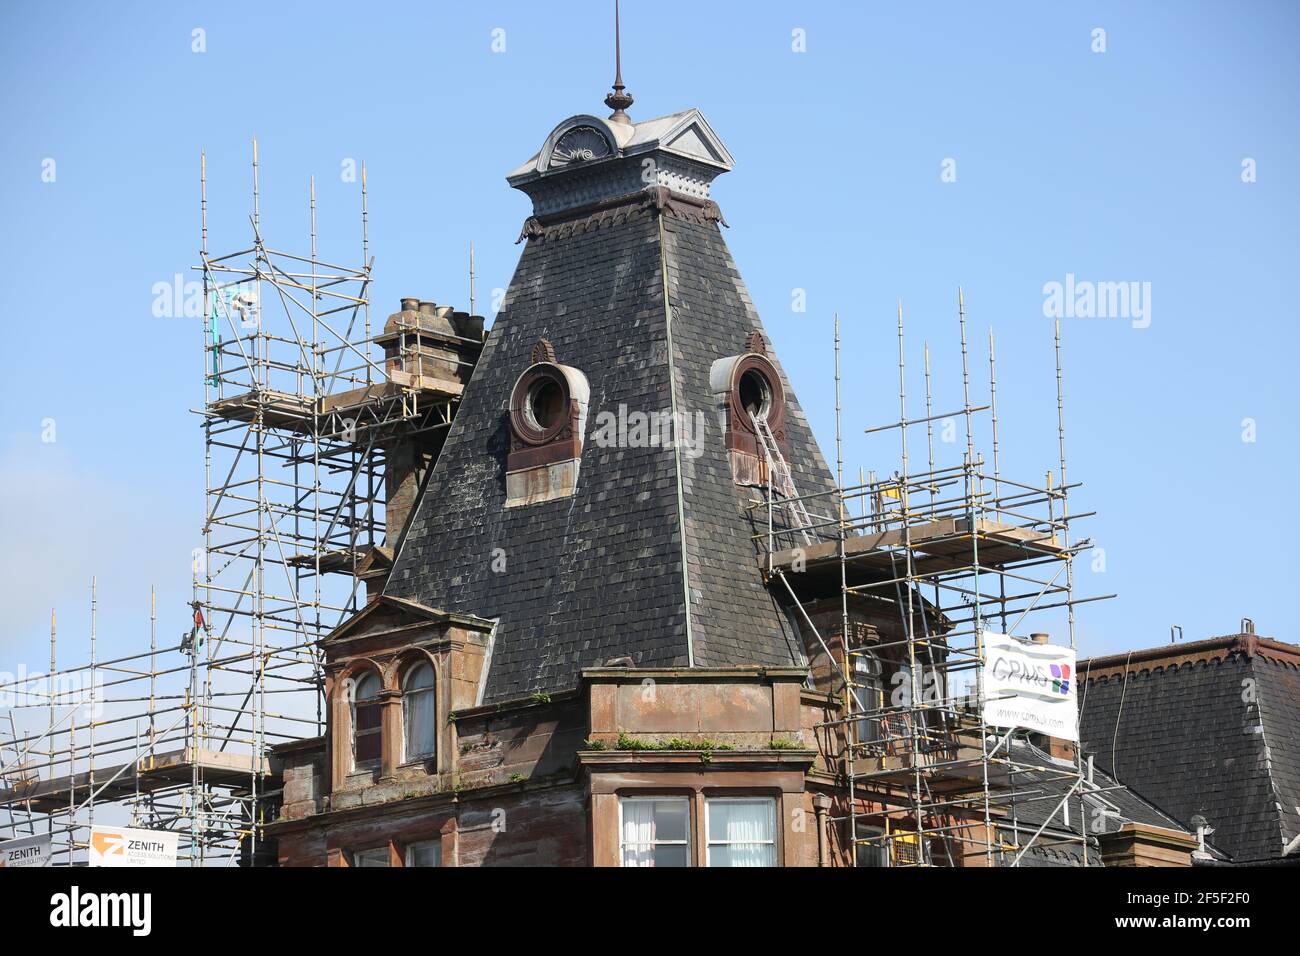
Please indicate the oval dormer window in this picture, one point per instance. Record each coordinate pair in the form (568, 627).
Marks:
(544, 403)
(748, 390)
(548, 413)
(539, 405)
(755, 393)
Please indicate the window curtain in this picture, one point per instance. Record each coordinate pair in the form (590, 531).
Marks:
(744, 828)
(638, 833)
(421, 719)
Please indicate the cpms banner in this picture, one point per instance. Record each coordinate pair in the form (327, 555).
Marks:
(1031, 686)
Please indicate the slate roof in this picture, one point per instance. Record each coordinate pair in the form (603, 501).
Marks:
(607, 572)
(1209, 728)
(1103, 807)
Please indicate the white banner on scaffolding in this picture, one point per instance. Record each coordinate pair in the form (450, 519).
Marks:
(1031, 686)
(124, 846)
(29, 851)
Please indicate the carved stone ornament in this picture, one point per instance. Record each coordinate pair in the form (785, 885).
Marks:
(543, 351)
(581, 144)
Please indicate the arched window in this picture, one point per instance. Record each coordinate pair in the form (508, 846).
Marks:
(420, 712)
(367, 722)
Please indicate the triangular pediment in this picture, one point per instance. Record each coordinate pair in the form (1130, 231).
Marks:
(691, 143)
(387, 612)
(692, 136)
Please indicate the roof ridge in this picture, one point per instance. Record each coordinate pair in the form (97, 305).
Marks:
(1203, 651)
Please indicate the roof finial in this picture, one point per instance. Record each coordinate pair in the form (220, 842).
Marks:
(618, 101)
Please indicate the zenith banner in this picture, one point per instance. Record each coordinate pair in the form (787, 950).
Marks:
(124, 846)
(28, 851)
(1030, 686)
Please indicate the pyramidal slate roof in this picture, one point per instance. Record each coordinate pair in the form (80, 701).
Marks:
(625, 272)
(1209, 728)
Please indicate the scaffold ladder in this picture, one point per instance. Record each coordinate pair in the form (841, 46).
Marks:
(780, 480)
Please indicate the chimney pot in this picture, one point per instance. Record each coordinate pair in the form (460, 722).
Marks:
(410, 304)
(428, 308)
(1039, 638)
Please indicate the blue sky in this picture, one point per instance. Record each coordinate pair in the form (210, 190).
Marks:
(1122, 165)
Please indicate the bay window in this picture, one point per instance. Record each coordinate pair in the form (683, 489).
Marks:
(655, 831)
(741, 831)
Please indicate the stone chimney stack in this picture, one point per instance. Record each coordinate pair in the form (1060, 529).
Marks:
(432, 349)
(429, 353)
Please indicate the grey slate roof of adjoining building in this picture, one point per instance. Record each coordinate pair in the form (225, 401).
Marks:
(1103, 806)
(653, 556)
(1210, 728)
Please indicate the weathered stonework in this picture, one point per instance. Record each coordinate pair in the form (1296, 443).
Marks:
(629, 639)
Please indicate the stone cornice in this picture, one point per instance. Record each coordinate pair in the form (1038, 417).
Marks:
(635, 675)
(621, 208)
(693, 759)
(1196, 652)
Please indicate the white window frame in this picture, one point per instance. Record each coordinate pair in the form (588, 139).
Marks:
(690, 861)
(710, 843)
(357, 855)
(408, 850)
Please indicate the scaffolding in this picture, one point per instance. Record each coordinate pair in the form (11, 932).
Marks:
(119, 742)
(951, 552)
(303, 431)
